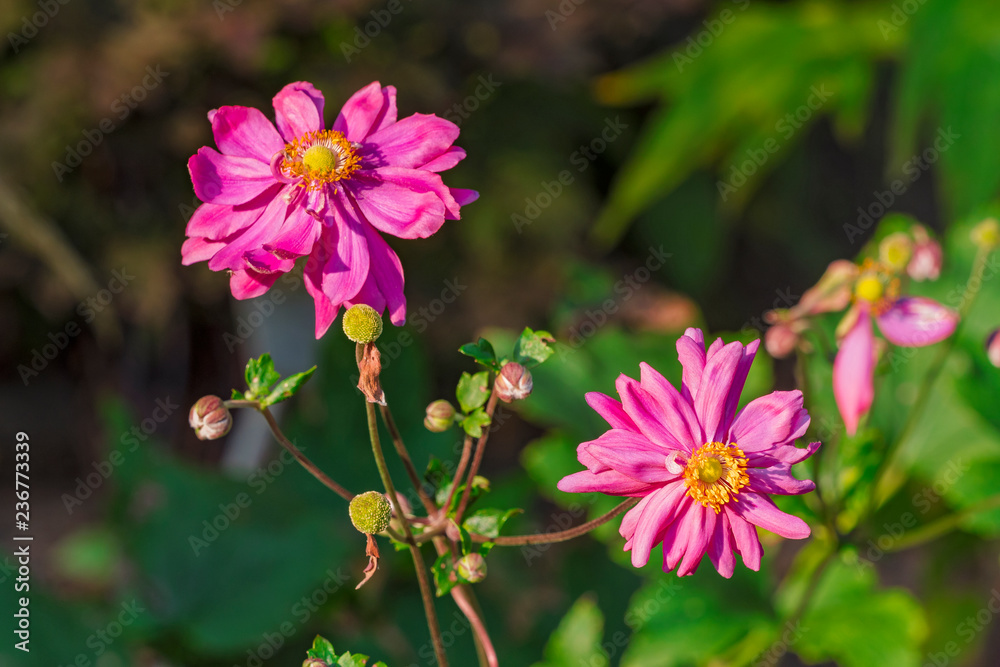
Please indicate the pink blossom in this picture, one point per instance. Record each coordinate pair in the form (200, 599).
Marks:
(273, 193)
(925, 263)
(703, 471)
(904, 321)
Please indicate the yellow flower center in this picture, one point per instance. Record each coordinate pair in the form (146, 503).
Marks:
(869, 288)
(715, 474)
(318, 158)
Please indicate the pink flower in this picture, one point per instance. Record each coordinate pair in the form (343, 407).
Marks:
(906, 321)
(704, 472)
(925, 263)
(993, 347)
(276, 193)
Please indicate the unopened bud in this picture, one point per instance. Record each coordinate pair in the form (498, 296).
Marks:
(210, 418)
(362, 323)
(895, 251)
(315, 662)
(986, 234)
(472, 568)
(370, 512)
(440, 416)
(513, 383)
(925, 264)
(993, 348)
(781, 339)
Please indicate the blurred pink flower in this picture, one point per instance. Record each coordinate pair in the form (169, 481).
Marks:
(993, 347)
(925, 263)
(274, 194)
(831, 293)
(704, 472)
(906, 321)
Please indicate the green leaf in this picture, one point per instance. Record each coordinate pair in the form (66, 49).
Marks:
(475, 422)
(532, 348)
(473, 390)
(348, 660)
(260, 375)
(323, 650)
(288, 387)
(482, 352)
(445, 576)
(855, 624)
(577, 640)
(488, 522)
(238, 396)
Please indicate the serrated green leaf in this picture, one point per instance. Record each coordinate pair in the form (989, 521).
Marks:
(474, 423)
(488, 521)
(482, 351)
(473, 390)
(237, 396)
(532, 347)
(348, 660)
(445, 576)
(260, 375)
(288, 387)
(322, 650)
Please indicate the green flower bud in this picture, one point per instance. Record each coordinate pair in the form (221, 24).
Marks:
(362, 323)
(472, 568)
(440, 416)
(370, 512)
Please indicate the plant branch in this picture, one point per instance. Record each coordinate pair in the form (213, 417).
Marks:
(404, 455)
(491, 406)
(561, 536)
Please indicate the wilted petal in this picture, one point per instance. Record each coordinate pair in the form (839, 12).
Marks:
(854, 372)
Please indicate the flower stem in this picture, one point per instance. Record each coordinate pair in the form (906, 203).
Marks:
(463, 461)
(404, 455)
(942, 526)
(426, 594)
(491, 406)
(292, 449)
(561, 536)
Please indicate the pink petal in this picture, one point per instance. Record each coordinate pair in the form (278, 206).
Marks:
(676, 413)
(710, 404)
(609, 482)
(854, 372)
(782, 454)
(663, 507)
(343, 259)
(216, 221)
(778, 479)
(369, 294)
(631, 454)
(445, 160)
(251, 238)
(644, 410)
(630, 521)
(463, 196)
(224, 179)
(739, 380)
(400, 202)
(691, 352)
(245, 132)
(770, 420)
(388, 272)
(298, 235)
(917, 321)
(720, 548)
(197, 249)
(703, 525)
(611, 410)
(249, 284)
(298, 109)
(412, 142)
(745, 537)
(761, 511)
(686, 540)
(369, 110)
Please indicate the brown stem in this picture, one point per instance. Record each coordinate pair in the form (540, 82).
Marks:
(404, 455)
(491, 407)
(462, 463)
(466, 601)
(562, 536)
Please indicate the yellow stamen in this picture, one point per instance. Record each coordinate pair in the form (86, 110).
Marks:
(318, 158)
(869, 288)
(715, 474)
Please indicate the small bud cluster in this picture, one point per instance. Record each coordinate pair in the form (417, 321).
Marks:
(210, 418)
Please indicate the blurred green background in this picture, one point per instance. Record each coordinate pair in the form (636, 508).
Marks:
(752, 142)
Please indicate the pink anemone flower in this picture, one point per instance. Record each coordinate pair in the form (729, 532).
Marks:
(904, 321)
(704, 473)
(275, 192)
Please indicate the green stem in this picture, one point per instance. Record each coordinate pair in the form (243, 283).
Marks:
(491, 406)
(404, 456)
(942, 526)
(426, 594)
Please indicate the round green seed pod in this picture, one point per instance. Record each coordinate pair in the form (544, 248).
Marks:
(370, 512)
(362, 323)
